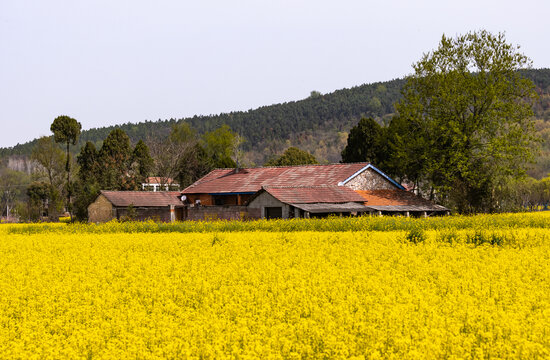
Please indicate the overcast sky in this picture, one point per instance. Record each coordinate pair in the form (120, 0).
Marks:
(108, 62)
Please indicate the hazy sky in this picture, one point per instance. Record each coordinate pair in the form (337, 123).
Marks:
(108, 62)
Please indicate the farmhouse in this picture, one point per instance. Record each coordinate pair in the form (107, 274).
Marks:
(301, 191)
(270, 192)
(163, 206)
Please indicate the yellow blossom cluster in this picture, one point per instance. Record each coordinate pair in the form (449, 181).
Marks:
(275, 295)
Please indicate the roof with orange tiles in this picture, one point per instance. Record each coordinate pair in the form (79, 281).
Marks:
(143, 198)
(251, 180)
(310, 194)
(398, 200)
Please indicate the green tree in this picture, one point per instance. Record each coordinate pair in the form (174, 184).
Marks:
(89, 175)
(49, 158)
(85, 193)
(471, 110)
(192, 160)
(293, 156)
(88, 161)
(38, 194)
(220, 146)
(365, 143)
(405, 152)
(179, 156)
(115, 157)
(142, 162)
(66, 130)
(12, 185)
(315, 94)
(194, 166)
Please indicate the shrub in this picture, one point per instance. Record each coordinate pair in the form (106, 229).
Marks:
(416, 235)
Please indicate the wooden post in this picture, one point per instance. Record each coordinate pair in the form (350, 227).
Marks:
(172, 213)
(407, 214)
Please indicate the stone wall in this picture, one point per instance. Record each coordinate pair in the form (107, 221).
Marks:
(370, 180)
(101, 210)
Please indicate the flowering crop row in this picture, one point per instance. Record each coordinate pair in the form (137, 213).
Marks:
(362, 223)
(281, 295)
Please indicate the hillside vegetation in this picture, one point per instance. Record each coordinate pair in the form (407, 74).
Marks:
(318, 124)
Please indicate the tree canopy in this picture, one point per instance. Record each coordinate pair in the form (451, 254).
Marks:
(220, 146)
(467, 119)
(65, 129)
(115, 156)
(293, 156)
(142, 162)
(365, 143)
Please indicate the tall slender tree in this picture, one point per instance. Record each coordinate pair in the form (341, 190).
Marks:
(66, 130)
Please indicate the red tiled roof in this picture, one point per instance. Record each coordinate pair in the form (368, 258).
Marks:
(310, 195)
(143, 198)
(251, 180)
(392, 197)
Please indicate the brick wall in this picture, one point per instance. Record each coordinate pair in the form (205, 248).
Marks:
(161, 214)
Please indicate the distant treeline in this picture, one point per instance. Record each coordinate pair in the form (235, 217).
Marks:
(311, 123)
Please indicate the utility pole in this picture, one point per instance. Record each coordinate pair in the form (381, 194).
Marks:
(7, 205)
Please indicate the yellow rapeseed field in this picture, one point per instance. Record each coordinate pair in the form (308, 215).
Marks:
(448, 293)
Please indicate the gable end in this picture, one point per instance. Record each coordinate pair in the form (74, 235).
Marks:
(371, 178)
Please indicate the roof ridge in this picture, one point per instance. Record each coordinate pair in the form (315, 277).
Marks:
(141, 191)
(302, 186)
(293, 166)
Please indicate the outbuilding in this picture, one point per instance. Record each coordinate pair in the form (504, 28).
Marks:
(165, 206)
(307, 201)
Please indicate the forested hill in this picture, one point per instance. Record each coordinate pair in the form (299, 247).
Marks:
(271, 126)
(318, 123)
